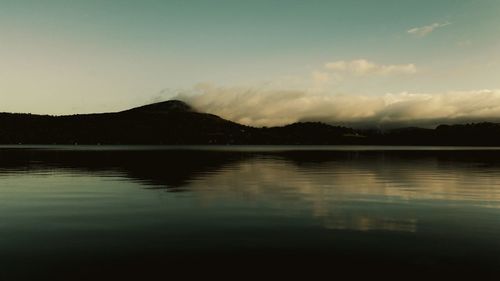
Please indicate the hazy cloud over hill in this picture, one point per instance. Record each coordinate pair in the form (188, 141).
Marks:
(268, 107)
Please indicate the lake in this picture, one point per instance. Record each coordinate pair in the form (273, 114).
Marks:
(91, 212)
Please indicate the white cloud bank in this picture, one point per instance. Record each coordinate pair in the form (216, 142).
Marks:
(426, 30)
(278, 107)
(365, 67)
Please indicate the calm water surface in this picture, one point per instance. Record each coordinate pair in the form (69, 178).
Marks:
(69, 212)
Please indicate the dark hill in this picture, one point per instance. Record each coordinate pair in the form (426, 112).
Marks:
(175, 122)
(162, 107)
(309, 133)
(171, 122)
(474, 134)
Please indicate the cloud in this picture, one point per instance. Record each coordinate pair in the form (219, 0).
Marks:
(269, 107)
(365, 67)
(321, 77)
(426, 30)
(331, 74)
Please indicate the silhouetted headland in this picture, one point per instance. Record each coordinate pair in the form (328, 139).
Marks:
(175, 122)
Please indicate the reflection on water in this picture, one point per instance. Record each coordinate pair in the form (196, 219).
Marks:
(441, 206)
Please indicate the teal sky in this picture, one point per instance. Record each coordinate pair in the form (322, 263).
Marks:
(60, 57)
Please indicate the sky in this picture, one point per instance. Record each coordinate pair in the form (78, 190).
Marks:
(259, 62)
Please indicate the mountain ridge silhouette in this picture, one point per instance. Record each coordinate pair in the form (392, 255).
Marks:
(175, 122)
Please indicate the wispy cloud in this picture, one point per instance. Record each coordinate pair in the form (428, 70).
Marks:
(266, 107)
(366, 67)
(426, 30)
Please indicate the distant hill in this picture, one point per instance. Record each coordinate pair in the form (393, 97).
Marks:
(170, 122)
(175, 122)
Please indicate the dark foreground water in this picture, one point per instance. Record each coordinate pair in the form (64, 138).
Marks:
(114, 213)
